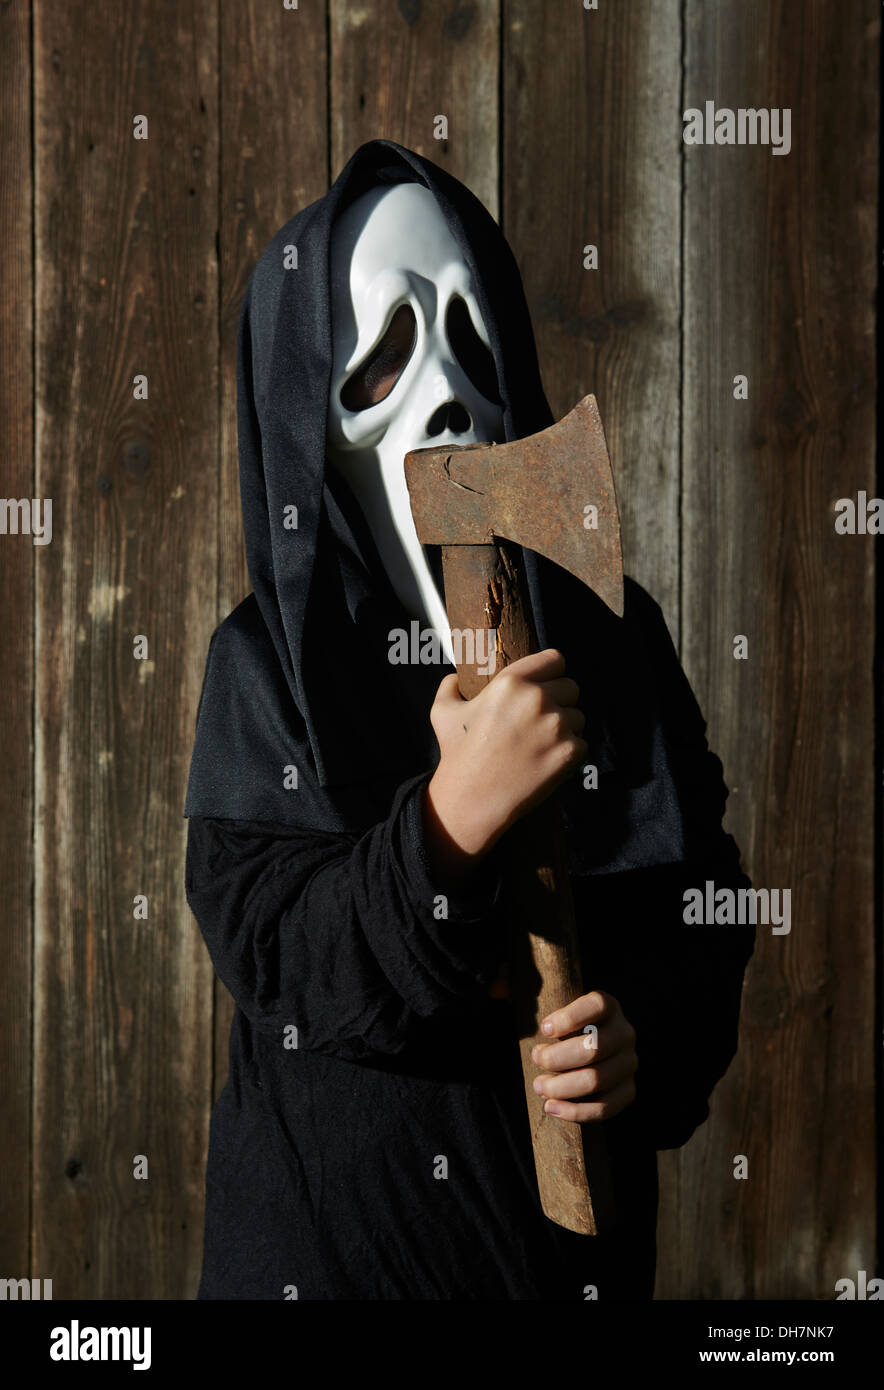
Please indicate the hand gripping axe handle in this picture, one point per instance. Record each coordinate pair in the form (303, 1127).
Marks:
(538, 493)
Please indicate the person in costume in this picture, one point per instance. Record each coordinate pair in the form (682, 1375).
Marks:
(372, 1139)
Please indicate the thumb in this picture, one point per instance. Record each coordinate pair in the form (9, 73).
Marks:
(449, 691)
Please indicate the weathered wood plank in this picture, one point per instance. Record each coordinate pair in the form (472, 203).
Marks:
(147, 539)
(591, 157)
(395, 68)
(18, 556)
(274, 161)
(603, 86)
(125, 284)
(779, 285)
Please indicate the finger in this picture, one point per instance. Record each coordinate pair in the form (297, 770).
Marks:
(564, 691)
(572, 750)
(449, 690)
(592, 1111)
(594, 1044)
(573, 1052)
(573, 719)
(588, 1008)
(539, 666)
(589, 1047)
(596, 1080)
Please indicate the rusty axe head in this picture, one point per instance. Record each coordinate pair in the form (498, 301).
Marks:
(552, 493)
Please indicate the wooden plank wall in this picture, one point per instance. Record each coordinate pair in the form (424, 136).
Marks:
(126, 284)
(779, 282)
(712, 262)
(18, 558)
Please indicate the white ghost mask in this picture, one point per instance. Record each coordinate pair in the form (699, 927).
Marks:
(412, 368)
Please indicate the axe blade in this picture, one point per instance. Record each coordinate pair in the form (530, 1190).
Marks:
(552, 492)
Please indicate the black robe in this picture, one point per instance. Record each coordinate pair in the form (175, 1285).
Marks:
(372, 1140)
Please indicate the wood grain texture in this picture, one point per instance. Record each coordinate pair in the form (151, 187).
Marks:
(486, 588)
(18, 556)
(142, 253)
(779, 285)
(396, 66)
(592, 157)
(273, 162)
(125, 283)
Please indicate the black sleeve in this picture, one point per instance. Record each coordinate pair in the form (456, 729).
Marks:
(679, 985)
(343, 936)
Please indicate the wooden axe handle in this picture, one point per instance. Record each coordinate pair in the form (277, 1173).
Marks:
(485, 588)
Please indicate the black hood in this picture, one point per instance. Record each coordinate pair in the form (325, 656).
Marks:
(302, 720)
(320, 592)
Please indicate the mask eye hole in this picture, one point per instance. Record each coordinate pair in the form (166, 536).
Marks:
(472, 354)
(380, 371)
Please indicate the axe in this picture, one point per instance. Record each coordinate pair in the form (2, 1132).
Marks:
(552, 493)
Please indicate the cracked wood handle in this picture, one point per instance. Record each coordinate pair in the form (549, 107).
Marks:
(485, 588)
